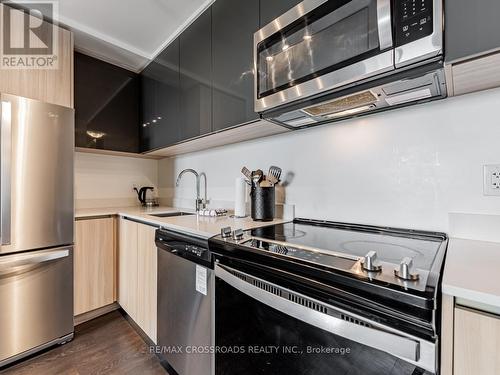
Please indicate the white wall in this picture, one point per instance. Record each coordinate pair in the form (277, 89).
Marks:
(408, 167)
(107, 181)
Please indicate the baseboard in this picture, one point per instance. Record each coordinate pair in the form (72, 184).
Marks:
(85, 317)
(148, 341)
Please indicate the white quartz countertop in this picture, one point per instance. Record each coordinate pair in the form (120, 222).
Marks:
(200, 226)
(472, 271)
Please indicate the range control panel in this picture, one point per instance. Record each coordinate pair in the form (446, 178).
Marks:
(414, 20)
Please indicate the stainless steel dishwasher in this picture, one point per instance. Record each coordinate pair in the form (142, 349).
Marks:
(185, 303)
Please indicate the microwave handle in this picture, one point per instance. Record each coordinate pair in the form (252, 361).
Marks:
(384, 24)
(389, 342)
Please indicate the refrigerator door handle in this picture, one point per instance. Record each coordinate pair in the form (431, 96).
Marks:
(7, 263)
(5, 172)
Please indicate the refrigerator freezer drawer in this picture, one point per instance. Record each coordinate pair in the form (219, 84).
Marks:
(36, 299)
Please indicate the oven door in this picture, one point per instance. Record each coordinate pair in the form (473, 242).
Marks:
(320, 45)
(263, 328)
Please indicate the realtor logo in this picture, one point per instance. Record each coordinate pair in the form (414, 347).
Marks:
(29, 39)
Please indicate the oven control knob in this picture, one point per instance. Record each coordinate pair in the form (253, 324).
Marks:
(405, 270)
(238, 234)
(225, 232)
(370, 262)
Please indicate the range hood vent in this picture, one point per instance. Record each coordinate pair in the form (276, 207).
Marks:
(341, 104)
(424, 85)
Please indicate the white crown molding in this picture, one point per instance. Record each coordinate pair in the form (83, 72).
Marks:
(136, 68)
(182, 27)
(72, 24)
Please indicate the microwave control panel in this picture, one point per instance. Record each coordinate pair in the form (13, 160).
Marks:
(413, 20)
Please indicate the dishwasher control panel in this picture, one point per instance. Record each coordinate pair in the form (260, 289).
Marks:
(189, 247)
(195, 250)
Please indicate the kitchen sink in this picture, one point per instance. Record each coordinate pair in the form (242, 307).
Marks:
(172, 214)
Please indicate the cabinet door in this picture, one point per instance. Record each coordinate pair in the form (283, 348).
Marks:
(127, 267)
(196, 77)
(106, 106)
(147, 277)
(476, 343)
(472, 28)
(272, 9)
(160, 109)
(94, 264)
(233, 24)
(47, 85)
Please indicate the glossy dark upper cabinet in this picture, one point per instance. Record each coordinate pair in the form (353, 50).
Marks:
(196, 78)
(106, 106)
(272, 9)
(472, 28)
(160, 102)
(233, 24)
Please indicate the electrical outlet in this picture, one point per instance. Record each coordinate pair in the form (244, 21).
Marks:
(492, 179)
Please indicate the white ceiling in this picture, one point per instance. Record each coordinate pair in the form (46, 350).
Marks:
(128, 33)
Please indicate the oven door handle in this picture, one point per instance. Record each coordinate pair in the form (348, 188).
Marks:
(389, 342)
(384, 24)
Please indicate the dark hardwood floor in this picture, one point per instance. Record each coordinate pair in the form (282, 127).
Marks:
(106, 345)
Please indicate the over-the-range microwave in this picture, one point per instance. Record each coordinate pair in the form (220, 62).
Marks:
(329, 59)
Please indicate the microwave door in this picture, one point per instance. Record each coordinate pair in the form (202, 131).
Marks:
(36, 174)
(419, 32)
(321, 48)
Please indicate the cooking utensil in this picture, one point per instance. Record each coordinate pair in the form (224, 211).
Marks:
(246, 172)
(257, 176)
(275, 172)
(271, 179)
(266, 182)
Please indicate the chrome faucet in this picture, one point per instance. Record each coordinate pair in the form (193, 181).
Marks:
(201, 203)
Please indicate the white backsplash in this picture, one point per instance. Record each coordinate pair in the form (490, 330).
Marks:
(409, 167)
(475, 226)
(106, 181)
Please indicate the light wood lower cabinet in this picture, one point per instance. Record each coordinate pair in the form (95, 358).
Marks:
(476, 343)
(137, 269)
(146, 280)
(94, 264)
(127, 267)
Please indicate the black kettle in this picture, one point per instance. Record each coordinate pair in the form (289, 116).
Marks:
(141, 193)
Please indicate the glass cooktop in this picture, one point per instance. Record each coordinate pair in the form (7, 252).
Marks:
(354, 242)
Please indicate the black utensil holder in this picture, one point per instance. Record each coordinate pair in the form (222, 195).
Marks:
(262, 203)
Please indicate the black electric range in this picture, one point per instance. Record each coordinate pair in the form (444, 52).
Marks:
(386, 272)
(325, 297)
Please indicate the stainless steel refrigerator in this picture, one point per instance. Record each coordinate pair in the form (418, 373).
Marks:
(36, 226)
